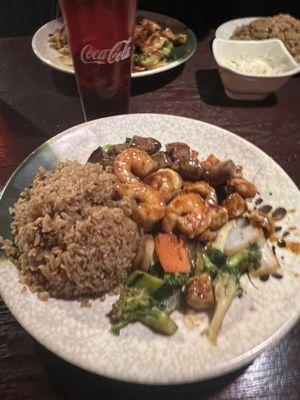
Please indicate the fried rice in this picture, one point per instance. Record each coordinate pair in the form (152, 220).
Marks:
(71, 238)
(282, 26)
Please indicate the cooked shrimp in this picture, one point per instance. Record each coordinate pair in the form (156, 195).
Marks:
(219, 217)
(189, 213)
(241, 186)
(235, 205)
(150, 204)
(166, 181)
(132, 164)
(204, 189)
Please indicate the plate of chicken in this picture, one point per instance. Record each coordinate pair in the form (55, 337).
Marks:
(160, 43)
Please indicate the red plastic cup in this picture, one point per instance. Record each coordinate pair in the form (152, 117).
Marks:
(100, 38)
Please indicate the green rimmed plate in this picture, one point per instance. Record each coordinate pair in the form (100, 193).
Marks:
(51, 57)
(82, 336)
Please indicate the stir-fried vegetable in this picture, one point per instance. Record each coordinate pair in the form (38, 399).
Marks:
(220, 241)
(225, 289)
(148, 299)
(141, 280)
(217, 257)
(227, 286)
(144, 256)
(176, 281)
(244, 261)
(209, 266)
(269, 263)
(172, 253)
(199, 257)
(199, 263)
(135, 305)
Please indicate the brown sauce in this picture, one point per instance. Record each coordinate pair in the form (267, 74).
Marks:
(277, 276)
(264, 278)
(279, 213)
(281, 242)
(294, 247)
(265, 209)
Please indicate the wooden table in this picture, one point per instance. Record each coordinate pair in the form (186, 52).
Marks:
(37, 102)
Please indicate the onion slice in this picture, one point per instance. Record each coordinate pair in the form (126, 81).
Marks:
(144, 256)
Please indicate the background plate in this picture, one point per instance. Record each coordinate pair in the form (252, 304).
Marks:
(81, 336)
(225, 30)
(50, 56)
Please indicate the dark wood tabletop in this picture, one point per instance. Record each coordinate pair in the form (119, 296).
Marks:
(37, 102)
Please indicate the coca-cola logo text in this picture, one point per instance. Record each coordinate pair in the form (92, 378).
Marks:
(119, 52)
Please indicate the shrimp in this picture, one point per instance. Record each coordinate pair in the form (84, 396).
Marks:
(132, 164)
(204, 189)
(241, 186)
(150, 203)
(166, 181)
(189, 213)
(235, 205)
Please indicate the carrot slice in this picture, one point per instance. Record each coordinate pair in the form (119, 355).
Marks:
(172, 253)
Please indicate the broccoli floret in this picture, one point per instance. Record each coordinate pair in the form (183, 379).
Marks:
(156, 270)
(244, 260)
(225, 288)
(217, 257)
(209, 266)
(176, 280)
(166, 51)
(135, 305)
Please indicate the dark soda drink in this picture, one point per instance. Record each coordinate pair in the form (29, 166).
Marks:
(100, 39)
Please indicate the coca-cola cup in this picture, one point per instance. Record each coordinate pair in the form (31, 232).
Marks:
(100, 39)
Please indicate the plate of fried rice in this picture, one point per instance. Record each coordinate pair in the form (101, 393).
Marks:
(70, 243)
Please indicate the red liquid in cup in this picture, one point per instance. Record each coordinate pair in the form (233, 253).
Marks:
(100, 39)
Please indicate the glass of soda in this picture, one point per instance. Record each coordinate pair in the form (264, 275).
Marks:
(100, 39)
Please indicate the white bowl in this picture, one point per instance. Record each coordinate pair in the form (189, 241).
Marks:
(252, 86)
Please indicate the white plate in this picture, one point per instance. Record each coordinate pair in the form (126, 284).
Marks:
(81, 336)
(50, 56)
(225, 30)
